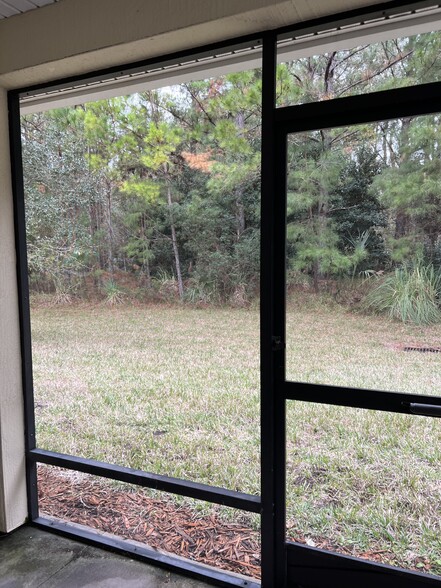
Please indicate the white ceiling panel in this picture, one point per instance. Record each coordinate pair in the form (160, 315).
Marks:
(13, 7)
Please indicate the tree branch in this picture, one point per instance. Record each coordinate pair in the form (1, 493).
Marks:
(201, 106)
(391, 62)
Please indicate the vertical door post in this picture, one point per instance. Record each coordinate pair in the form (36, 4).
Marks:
(272, 341)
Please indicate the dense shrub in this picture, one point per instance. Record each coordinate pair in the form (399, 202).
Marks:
(410, 294)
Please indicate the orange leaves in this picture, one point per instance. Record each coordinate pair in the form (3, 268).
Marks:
(199, 161)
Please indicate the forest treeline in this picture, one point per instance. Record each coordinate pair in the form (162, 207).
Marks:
(163, 187)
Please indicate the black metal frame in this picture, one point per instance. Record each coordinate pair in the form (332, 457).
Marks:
(376, 106)
(307, 566)
(230, 498)
(282, 563)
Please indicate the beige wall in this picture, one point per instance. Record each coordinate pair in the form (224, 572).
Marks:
(12, 475)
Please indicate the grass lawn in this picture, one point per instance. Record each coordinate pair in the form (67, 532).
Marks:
(176, 391)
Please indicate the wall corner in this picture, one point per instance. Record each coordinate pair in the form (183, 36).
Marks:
(13, 499)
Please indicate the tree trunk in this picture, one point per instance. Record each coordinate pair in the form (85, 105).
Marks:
(315, 276)
(401, 224)
(146, 263)
(321, 220)
(147, 273)
(175, 243)
(402, 219)
(110, 235)
(240, 208)
(240, 215)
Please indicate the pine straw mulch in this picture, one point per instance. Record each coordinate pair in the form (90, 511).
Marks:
(168, 527)
(159, 524)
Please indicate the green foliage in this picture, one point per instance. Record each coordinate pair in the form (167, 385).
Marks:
(166, 286)
(198, 292)
(319, 246)
(146, 191)
(113, 293)
(410, 294)
(161, 141)
(411, 186)
(358, 216)
(167, 182)
(317, 163)
(59, 192)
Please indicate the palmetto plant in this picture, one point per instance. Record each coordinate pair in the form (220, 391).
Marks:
(114, 294)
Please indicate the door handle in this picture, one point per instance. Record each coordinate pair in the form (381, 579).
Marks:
(432, 410)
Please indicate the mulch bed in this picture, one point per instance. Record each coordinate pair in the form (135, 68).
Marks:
(168, 527)
(160, 524)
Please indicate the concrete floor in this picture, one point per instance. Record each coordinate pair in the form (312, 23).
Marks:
(31, 558)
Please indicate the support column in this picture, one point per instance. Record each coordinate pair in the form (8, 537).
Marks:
(13, 502)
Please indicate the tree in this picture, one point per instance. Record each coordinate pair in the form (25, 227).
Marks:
(316, 164)
(158, 167)
(168, 181)
(410, 187)
(226, 212)
(106, 144)
(358, 216)
(59, 194)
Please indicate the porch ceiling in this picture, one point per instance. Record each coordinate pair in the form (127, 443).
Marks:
(71, 37)
(10, 8)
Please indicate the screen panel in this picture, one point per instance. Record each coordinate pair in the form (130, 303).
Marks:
(362, 256)
(216, 536)
(365, 484)
(143, 225)
(323, 67)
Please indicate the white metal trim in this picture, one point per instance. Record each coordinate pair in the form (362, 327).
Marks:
(305, 45)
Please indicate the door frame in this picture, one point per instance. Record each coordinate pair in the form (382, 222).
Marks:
(330, 568)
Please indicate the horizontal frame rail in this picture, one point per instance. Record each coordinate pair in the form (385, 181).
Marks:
(366, 108)
(214, 494)
(357, 397)
(146, 554)
(424, 409)
(310, 566)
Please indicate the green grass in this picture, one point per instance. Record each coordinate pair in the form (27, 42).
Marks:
(333, 346)
(170, 390)
(175, 390)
